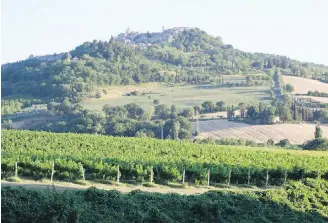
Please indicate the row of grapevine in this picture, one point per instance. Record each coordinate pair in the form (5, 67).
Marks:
(136, 158)
(142, 174)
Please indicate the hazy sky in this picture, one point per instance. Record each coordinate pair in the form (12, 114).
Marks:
(295, 28)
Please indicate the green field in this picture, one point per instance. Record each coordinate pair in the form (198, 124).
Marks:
(233, 78)
(182, 96)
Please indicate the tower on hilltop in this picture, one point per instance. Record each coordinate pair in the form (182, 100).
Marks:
(128, 30)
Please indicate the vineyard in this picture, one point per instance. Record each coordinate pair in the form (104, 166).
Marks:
(90, 157)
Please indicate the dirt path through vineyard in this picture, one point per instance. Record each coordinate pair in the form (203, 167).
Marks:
(62, 186)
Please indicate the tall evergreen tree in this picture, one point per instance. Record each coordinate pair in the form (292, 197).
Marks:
(318, 132)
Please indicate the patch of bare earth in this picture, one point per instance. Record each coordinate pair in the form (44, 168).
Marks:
(124, 188)
(304, 85)
(32, 122)
(295, 133)
(214, 115)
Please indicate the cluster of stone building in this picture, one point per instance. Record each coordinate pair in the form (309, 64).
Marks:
(147, 39)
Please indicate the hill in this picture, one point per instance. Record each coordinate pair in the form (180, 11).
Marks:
(178, 55)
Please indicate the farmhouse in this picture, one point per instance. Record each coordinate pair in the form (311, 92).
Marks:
(275, 119)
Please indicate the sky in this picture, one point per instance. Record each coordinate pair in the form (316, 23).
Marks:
(293, 28)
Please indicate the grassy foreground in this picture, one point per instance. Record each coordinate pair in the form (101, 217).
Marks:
(296, 202)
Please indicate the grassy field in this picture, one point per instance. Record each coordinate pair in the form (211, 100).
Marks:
(183, 96)
(233, 78)
(296, 133)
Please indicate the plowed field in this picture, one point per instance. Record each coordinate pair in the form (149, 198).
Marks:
(296, 133)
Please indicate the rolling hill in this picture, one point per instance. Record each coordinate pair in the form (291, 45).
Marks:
(178, 55)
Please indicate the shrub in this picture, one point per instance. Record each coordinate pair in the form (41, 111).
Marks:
(284, 143)
(105, 91)
(317, 144)
(318, 132)
(270, 142)
(98, 95)
(14, 179)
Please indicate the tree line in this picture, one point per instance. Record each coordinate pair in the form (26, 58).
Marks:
(317, 94)
(157, 121)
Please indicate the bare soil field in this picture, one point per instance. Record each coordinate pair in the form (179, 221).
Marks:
(215, 115)
(296, 133)
(304, 85)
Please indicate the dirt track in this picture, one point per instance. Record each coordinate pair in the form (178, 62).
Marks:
(62, 186)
